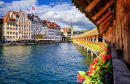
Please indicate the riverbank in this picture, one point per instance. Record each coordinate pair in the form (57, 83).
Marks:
(35, 43)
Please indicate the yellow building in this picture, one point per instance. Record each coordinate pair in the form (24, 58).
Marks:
(23, 25)
(9, 27)
(15, 26)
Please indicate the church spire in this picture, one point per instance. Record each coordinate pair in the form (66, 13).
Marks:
(20, 10)
(71, 25)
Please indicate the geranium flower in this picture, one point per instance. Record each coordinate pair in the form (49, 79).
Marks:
(80, 78)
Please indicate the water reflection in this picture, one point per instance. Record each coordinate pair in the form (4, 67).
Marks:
(87, 56)
(42, 64)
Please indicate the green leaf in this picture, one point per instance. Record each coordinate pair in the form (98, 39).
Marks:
(82, 73)
(100, 82)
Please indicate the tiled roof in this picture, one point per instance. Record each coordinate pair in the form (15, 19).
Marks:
(65, 30)
(51, 24)
(7, 17)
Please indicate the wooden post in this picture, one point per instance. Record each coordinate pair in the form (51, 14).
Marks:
(91, 53)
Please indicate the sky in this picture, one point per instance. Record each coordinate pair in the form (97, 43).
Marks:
(60, 11)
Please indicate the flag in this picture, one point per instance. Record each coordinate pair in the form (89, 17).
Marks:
(13, 28)
(48, 28)
(33, 8)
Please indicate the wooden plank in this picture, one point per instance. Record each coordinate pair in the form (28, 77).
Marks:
(91, 5)
(103, 9)
(89, 1)
(104, 17)
(81, 2)
(104, 27)
(106, 20)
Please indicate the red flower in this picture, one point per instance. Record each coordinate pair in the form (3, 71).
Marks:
(80, 78)
(99, 74)
(95, 61)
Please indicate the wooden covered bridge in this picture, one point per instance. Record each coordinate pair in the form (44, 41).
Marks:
(112, 18)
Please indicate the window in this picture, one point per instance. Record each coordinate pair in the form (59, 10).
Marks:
(13, 24)
(7, 23)
(10, 32)
(10, 28)
(13, 32)
(10, 36)
(7, 36)
(7, 32)
(10, 24)
(7, 27)
(16, 29)
(13, 36)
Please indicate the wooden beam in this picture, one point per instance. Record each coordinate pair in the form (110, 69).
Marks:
(103, 28)
(106, 20)
(103, 9)
(82, 3)
(91, 5)
(89, 1)
(104, 17)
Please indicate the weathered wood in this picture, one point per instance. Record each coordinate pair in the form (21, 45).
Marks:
(106, 20)
(104, 17)
(103, 9)
(89, 1)
(81, 2)
(91, 5)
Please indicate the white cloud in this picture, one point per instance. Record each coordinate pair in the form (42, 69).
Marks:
(2, 3)
(61, 13)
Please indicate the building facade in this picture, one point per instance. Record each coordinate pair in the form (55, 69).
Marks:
(18, 26)
(23, 26)
(53, 31)
(67, 33)
(36, 27)
(8, 27)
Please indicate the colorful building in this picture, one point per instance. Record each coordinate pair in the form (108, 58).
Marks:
(67, 33)
(36, 27)
(53, 31)
(23, 25)
(8, 27)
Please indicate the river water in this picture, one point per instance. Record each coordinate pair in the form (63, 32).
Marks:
(42, 64)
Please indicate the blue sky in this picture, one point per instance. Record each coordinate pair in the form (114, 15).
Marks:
(60, 11)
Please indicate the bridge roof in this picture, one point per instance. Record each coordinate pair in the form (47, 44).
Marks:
(89, 33)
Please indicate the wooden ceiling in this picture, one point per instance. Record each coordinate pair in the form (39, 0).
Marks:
(100, 12)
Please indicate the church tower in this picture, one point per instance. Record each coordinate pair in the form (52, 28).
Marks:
(71, 28)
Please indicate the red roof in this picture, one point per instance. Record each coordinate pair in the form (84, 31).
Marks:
(51, 24)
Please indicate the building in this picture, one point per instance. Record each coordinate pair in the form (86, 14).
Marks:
(8, 27)
(67, 33)
(45, 29)
(53, 31)
(36, 27)
(23, 25)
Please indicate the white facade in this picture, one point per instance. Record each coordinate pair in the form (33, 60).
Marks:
(54, 33)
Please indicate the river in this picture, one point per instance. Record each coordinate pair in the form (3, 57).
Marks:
(42, 64)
